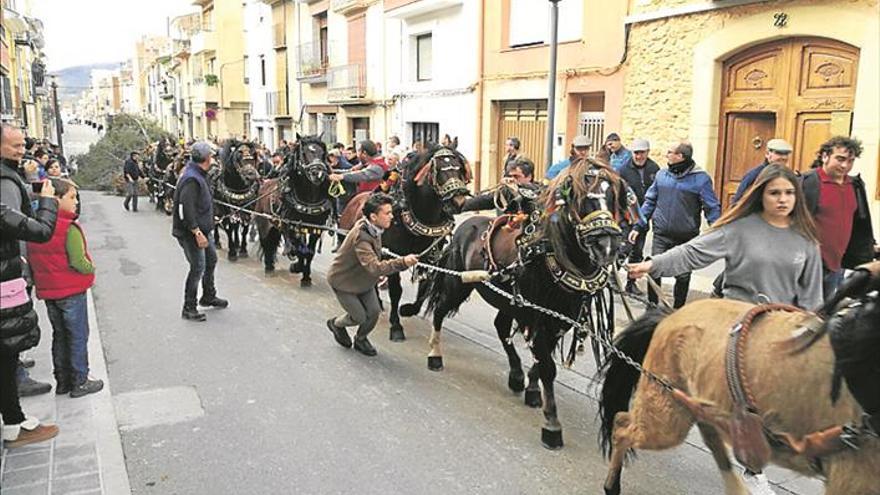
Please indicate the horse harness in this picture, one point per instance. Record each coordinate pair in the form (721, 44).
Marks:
(752, 439)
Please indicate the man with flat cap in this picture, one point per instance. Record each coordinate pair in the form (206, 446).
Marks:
(580, 146)
(192, 225)
(638, 172)
(778, 153)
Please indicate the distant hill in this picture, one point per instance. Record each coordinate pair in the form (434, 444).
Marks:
(72, 81)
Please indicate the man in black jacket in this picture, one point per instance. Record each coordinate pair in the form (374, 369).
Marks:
(638, 172)
(839, 204)
(132, 173)
(192, 225)
(18, 323)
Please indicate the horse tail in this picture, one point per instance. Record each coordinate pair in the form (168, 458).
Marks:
(439, 284)
(619, 378)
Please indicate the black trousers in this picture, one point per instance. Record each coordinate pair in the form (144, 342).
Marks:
(682, 282)
(10, 406)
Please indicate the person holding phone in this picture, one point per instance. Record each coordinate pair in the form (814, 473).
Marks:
(192, 225)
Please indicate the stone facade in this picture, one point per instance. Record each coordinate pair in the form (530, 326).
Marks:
(659, 71)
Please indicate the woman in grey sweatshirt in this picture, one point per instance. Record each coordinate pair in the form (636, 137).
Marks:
(768, 242)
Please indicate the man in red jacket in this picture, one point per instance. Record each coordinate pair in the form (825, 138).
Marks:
(369, 174)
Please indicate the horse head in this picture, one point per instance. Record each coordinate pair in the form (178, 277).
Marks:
(441, 174)
(239, 159)
(584, 206)
(308, 159)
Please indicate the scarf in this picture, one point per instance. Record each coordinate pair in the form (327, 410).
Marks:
(373, 229)
(681, 167)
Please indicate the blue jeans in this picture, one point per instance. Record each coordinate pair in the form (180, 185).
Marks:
(70, 338)
(830, 282)
(202, 262)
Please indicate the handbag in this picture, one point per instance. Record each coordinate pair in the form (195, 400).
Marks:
(13, 293)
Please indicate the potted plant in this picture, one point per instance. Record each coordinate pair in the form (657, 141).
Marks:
(211, 79)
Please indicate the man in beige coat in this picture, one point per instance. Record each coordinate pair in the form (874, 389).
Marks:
(356, 270)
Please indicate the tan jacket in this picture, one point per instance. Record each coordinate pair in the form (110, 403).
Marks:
(357, 266)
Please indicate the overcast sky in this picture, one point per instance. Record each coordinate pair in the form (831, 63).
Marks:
(80, 32)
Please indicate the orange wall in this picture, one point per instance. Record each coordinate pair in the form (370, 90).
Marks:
(393, 4)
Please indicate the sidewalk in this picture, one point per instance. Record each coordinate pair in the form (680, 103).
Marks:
(86, 456)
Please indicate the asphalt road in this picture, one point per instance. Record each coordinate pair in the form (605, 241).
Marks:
(259, 399)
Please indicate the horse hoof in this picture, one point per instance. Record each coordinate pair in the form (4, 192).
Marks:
(306, 282)
(243, 254)
(533, 398)
(516, 382)
(269, 269)
(232, 256)
(397, 334)
(435, 363)
(551, 439)
(407, 310)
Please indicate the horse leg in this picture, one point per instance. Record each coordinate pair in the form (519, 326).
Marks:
(733, 485)
(243, 235)
(515, 377)
(533, 390)
(551, 433)
(217, 243)
(450, 298)
(269, 243)
(395, 291)
(232, 253)
(306, 261)
(413, 308)
(645, 427)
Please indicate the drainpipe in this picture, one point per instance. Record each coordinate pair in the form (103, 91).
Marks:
(299, 83)
(551, 76)
(478, 142)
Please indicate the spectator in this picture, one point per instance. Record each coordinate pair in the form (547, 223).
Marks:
(371, 172)
(768, 243)
(617, 154)
(511, 147)
(522, 174)
(355, 271)
(639, 173)
(394, 146)
(19, 330)
(839, 204)
(63, 272)
(672, 205)
(53, 169)
(778, 152)
(132, 173)
(192, 225)
(580, 147)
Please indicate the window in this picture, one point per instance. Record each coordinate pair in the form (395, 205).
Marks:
(262, 71)
(423, 57)
(5, 95)
(312, 128)
(328, 128)
(260, 134)
(529, 22)
(323, 38)
(426, 132)
(246, 68)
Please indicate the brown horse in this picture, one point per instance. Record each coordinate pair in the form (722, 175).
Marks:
(793, 391)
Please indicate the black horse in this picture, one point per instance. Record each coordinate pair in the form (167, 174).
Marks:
(558, 259)
(436, 178)
(300, 194)
(236, 184)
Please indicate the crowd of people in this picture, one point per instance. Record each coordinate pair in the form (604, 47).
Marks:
(43, 248)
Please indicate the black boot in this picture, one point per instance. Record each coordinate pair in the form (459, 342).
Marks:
(192, 314)
(214, 302)
(362, 345)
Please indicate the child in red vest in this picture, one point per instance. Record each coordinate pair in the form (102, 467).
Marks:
(63, 272)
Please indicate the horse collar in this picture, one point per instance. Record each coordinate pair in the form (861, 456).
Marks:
(577, 283)
(303, 208)
(237, 197)
(415, 227)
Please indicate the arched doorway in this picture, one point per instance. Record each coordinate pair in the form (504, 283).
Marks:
(799, 89)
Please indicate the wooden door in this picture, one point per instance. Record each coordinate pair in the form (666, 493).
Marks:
(798, 89)
(526, 120)
(747, 135)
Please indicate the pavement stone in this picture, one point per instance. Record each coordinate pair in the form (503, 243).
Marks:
(86, 456)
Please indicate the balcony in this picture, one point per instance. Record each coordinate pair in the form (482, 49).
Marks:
(203, 41)
(276, 104)
(279, 36)
(346, 7)
(204, 93)
(313, 62)
(347, 84)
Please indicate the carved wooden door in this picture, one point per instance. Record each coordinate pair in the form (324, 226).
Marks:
(806, 84)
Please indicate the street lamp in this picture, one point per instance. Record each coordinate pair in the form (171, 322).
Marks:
(551, 75)
(59, 130)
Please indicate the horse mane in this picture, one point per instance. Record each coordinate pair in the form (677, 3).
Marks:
(310, 139)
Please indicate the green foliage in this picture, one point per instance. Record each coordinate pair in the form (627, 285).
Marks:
(211, 79)
(102, 164)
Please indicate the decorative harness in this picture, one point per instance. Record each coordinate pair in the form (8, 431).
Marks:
(443, 160)
(291, 202)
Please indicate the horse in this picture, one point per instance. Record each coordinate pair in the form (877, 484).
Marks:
(438, 177)
(792, 376)
(300, 194)
(558, 258)
(236, 183)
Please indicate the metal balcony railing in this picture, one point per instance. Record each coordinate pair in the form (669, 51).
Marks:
(313, 61)
(346, 83)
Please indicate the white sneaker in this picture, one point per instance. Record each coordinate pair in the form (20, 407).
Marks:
(757, 483)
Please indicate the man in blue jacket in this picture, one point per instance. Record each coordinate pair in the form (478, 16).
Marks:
(673, 204)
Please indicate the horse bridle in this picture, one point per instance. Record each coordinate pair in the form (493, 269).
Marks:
(453, 185)
(313, 170)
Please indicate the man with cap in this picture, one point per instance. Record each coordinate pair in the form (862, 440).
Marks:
(778, 152)
(618, 155)
(580, 146)
(639, 172)
(192, 225)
